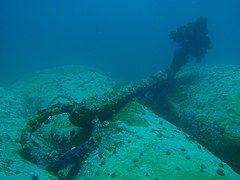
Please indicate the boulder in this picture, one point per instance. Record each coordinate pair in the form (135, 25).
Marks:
(134, 143)
(61, 84)
(205, 102)
(153, 148)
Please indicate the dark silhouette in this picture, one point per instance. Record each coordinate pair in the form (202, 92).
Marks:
(194, 42)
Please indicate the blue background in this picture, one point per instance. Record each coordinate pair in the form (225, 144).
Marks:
(127, 39)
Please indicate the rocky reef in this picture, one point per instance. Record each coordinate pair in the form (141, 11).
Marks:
(205, 102)
(74, 122)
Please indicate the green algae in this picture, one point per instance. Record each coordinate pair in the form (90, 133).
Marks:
(132, 113)
(234, 99)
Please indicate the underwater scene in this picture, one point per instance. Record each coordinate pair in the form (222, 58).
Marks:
(120, 89)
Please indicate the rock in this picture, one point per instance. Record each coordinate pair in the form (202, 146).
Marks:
(220, 172)
(62, 84)
(205, 101)
(133, 144)
(33, 93)
(12, 119)
(150, 151)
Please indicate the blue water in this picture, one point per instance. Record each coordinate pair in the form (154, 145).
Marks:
(127, 39)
